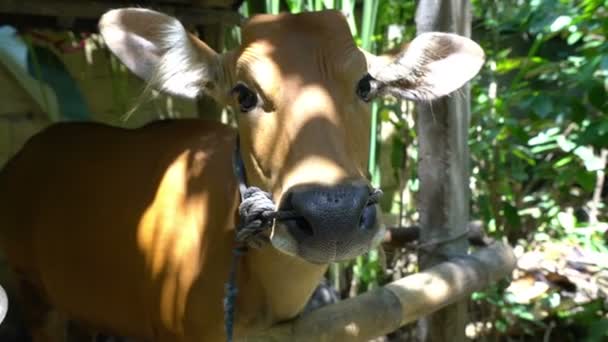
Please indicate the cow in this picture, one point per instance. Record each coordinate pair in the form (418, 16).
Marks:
(132, 231)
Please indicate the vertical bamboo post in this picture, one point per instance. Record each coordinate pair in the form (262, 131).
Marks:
(444, 171)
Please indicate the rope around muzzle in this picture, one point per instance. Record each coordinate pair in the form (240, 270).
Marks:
(258, 212)
(257, 215)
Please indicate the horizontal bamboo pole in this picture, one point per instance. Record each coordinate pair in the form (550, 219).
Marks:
(385, 309)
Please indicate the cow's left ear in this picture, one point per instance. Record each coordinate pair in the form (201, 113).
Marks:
(432, 65)
(157, 48)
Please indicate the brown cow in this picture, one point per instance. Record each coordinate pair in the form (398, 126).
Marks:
(131, 231)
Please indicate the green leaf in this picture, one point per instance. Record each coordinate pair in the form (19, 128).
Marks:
(560, 22)
(563, 162)
(295, 6)
(565, 144)
(592, 162)
(574, 37)
(596, 134)
(373, 255)
(545, 137)
(506, 65)
(567, 221)
(598, 331)
(597, 96)
(477, 296)
(501, 326)
(586, 180)
(523, 154)
(542, 148)
(397, 153)
(511, 215)
(329, 4)
(523, 313)
(554, 300)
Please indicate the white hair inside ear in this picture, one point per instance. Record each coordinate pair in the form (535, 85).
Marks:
(158, 49)
(433, 65)
(180, 70)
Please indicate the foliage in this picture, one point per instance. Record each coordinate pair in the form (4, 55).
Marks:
(539, 140)
(538, 122)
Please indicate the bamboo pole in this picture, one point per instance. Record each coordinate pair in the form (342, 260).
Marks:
(383, 310)
(443, 168)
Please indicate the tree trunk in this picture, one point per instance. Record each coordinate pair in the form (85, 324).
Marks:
(444, 172)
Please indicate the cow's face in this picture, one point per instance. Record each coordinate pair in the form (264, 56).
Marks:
(306, 138)
(301, 89)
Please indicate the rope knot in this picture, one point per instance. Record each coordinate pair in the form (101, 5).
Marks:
(257, 212)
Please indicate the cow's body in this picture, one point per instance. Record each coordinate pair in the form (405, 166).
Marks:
(131, 231)
(149, 263)
(152, 273)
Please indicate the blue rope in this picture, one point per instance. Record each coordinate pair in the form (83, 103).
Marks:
(256, 215)
(255, 212)
(231, 287)
(231, 292)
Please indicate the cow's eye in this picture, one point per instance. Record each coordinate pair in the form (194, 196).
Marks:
(365, 88)
(246, 98)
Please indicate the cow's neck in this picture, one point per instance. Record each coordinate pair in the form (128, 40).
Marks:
(277, 284)
(273, 286)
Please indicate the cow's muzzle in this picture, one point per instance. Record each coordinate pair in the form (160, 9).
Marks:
(335, 223)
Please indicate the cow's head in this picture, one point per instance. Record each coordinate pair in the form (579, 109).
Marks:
(301, 89)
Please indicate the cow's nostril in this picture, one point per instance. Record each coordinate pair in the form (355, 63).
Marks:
(303, 226)
(298, 225)
(368, 217)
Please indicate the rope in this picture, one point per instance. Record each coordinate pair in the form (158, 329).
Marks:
(257, 214)
(231, 292)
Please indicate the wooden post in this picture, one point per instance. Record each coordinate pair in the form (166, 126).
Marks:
(444, 172)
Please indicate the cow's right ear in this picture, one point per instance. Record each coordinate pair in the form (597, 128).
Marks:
(434, 64)
(157, 48)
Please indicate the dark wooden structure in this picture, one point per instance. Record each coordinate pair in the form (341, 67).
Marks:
(82, 15)
(210, 18)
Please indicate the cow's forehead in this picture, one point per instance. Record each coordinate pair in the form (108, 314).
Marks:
(304, 48)
(286, 30)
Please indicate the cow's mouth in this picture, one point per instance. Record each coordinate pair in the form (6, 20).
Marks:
(335, 223)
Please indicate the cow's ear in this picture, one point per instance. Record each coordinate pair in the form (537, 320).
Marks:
(432, 65)
(157, 48)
